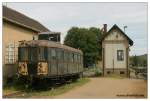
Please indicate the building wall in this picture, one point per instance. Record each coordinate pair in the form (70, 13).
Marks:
(12, 34)
(115, 35)
(111, 55)
(113, 42)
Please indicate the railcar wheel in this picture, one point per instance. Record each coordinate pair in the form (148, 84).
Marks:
(75, 77)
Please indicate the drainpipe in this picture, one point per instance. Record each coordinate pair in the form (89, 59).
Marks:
(103, 49)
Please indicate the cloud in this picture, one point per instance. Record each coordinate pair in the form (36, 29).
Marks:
(62, 16)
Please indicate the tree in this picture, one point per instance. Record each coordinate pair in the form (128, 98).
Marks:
(145, 63)
(135, 60)
(87, 40)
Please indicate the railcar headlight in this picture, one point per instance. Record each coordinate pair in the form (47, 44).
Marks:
(40, 67)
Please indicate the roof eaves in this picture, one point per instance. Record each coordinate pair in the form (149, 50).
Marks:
(21, 24)
(115, 26)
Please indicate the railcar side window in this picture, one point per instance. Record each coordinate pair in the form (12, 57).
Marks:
(41, 54)
(75, 58)
(72, 57)
(79, 58)
(46, 53)
(60, 54)
(65, 56)
(53, 53)
(49, 53)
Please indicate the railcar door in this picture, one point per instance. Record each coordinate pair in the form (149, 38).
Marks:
(33, 60)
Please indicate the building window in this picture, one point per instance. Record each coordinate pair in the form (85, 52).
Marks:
(121, 72)
(108, 72)
(10, 57)
(120, 55)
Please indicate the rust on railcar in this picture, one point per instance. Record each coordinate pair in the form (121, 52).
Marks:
(46, 43)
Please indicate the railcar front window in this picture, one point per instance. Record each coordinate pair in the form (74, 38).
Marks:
(23, 54)
(42, 54)
(79, 58)
(33, 54)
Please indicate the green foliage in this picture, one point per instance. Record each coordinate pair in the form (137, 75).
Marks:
(140, 60)
(135, 61)
(88, 40)
(98, 72)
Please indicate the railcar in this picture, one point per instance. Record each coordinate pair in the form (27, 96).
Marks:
(47, 59)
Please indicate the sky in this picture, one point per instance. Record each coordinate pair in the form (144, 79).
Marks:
(60, 17)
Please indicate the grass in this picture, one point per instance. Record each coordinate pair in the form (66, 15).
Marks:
(49, 93)
(8, 90)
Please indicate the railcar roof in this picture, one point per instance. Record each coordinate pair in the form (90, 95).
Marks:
(43, 43)
(50, 32)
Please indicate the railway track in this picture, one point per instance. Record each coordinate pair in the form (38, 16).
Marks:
(37, 87)
(24, 94)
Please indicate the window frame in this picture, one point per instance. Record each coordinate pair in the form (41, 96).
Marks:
(60, 54)
(42, 53)
(53, 57)
(11, 53)
(25, 55)
(66, 56)
(34, 50)
(120, 55)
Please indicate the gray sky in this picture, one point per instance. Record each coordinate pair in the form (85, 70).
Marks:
(61, 17)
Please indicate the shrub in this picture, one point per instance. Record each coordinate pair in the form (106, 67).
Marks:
(98, 72)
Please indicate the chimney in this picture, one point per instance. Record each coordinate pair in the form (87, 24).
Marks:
(105, 28)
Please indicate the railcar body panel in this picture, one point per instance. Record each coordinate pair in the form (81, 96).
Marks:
(50, 59)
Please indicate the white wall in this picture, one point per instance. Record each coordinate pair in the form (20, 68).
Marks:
(113, 34)
(111, 56)
(113, 42)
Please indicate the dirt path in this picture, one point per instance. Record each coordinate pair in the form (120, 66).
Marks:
(109, 88)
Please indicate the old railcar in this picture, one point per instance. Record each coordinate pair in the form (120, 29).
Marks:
(47, 59)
